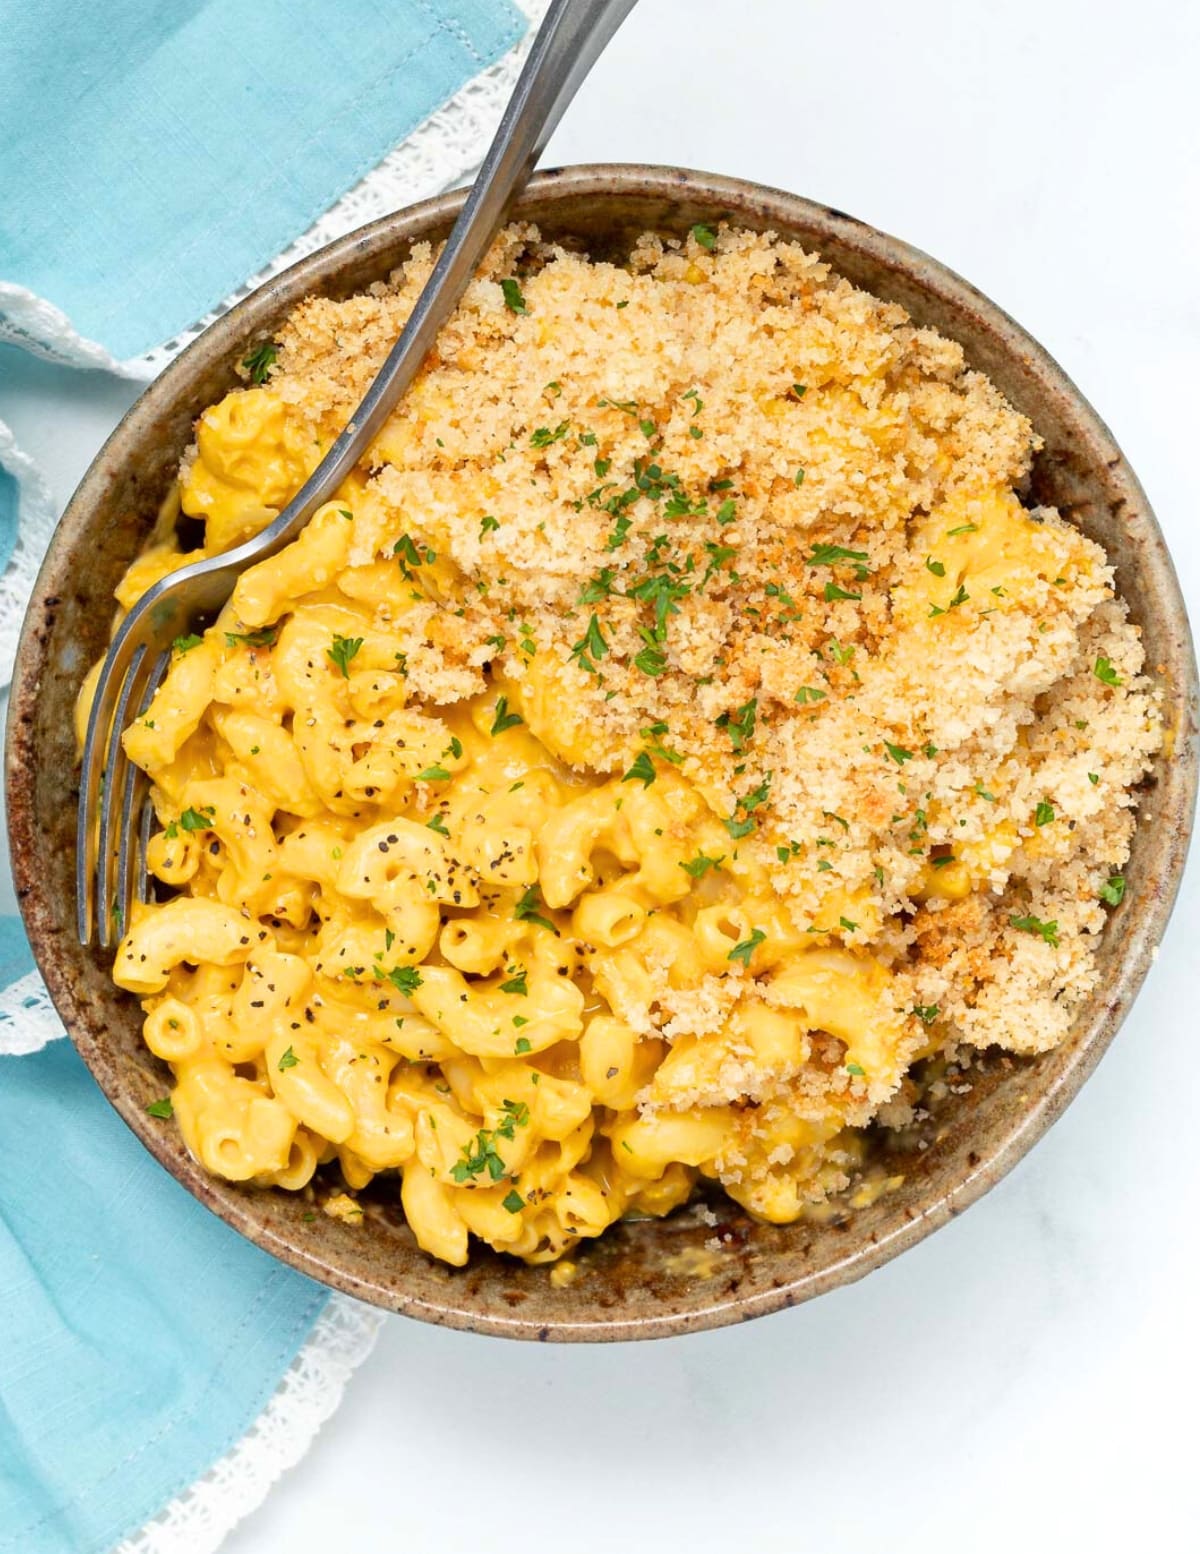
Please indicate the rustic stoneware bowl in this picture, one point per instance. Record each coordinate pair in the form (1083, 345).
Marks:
(650, 1278)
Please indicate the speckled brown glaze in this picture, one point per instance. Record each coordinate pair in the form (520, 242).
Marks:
(647, 1279)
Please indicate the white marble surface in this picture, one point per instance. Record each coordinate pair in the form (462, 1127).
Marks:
(1024, 1379)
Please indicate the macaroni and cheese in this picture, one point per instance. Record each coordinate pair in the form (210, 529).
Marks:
(676, 729)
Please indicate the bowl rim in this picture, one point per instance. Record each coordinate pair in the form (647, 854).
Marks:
(1143, 927)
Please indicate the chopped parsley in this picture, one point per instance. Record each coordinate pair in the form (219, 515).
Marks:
(1113, 892)
(162, 1109)
(1044, 814)
(288, 1060)
(526, 909)
(405, 979)
(935, 567)
(1105, 673)
(411, 554)
(479, 1157)
(857, 1070)
(739, 725)
(837, 555)
(504, 719)
(591, 646)
(897, 752)
(705, 236)
(619, 533)
(513, 1201)
(699, 866)
(196, 819)
(747, 947)
(543, 437)
(438, 824)
(1047, 932)
(487, 524)
(186, 644)
(808, 693)
(523, 1045)
(260, 360)
(641, 771)
(963, 528)
(264, 638)
(651, 660)
(342, 652)
(513, 300)
(926, 1013)
(434, 773)
(516, 984)
(598, 587)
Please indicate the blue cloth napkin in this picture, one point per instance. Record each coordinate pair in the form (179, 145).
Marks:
(139, 1336)
(155, 153)
(8, 516)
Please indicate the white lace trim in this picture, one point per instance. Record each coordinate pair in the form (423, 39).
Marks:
(202, 1517)
(36, 518)
(28, 1020)
(448, 144)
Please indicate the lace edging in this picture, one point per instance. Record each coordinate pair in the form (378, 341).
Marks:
(36, 520)
(28, 1020)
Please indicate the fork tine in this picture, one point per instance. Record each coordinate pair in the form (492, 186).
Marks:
(111, 683)
(116, 769)
(142, 879)
(134, 801)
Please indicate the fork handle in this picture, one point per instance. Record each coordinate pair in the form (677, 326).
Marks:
(569, 41)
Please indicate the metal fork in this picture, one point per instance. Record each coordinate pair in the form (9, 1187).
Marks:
(113, 793)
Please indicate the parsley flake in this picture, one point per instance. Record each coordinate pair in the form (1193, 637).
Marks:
(526, 909)
(260, 360)
(513, 300)
(1114, 891)
(342, 652)
(1047, 932)
(746, 948)
(699, 866)
(504, 719)
(641, 771)
(1105, 673)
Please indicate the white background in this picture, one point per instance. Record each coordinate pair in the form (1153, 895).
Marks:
(1026, 1379)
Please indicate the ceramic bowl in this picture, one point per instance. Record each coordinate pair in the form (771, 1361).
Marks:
(653, 1277)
